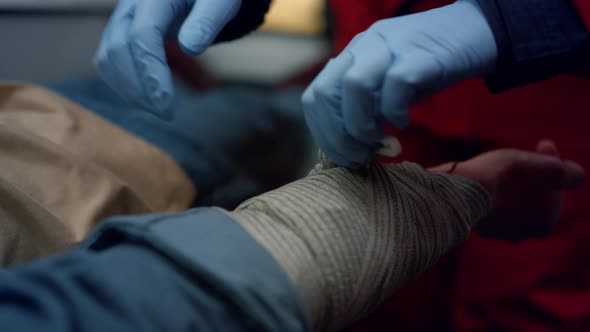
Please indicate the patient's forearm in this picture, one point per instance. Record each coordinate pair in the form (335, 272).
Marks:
(341, 242)
(347, 239)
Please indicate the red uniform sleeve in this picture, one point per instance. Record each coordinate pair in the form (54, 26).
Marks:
(584, 11)
(353, 16)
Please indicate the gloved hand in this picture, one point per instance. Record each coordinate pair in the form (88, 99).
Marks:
(131, 57)
(387, 68)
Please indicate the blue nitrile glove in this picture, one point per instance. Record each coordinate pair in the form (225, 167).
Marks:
(131, 57)
(387, 68)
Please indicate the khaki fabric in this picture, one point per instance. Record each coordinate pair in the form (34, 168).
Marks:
(347, 239)
(63, 169)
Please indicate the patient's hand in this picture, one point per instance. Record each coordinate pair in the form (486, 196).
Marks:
(526, 189)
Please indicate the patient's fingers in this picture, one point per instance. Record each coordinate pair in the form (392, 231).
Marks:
(547, 147)
(574, 175)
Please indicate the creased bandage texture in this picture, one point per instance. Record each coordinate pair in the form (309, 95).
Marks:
(347, 239)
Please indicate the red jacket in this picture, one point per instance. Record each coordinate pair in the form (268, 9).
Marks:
(584, 11)
(541, 285)
(469, 110)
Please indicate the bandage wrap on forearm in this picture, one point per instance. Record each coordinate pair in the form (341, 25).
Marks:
(347, 239)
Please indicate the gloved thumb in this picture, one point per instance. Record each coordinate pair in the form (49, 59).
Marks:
(205, 21)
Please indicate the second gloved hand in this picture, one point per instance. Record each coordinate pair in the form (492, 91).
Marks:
(131, 57)
(387, 68)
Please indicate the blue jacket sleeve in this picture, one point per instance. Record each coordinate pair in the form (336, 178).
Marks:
(197, 271)
(536, 40)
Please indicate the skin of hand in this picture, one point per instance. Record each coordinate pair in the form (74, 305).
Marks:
(526, 188)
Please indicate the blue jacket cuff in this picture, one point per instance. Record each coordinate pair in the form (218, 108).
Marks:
(218, 251)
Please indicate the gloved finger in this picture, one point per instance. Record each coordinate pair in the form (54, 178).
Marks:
(120, 76)
(328, 114)
(124, 10)
(205, 21)
(361, 89)
(309, 104)
(405, 82)
(115, 64)
(355, 40)
(153, 19)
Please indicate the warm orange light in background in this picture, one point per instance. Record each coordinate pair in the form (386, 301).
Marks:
(296, 16)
